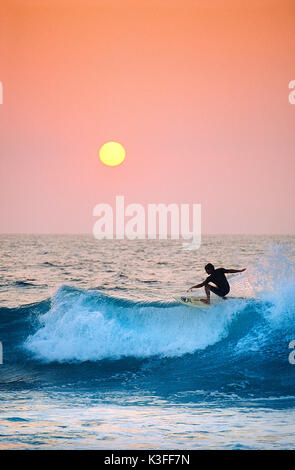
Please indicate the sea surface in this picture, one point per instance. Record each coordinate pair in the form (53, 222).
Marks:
(98, 355)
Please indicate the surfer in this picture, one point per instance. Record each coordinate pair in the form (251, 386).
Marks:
(217, 276)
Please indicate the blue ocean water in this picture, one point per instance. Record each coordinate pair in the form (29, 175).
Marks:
(97, 354)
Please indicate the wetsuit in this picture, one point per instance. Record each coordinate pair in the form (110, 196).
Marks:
(218, 278)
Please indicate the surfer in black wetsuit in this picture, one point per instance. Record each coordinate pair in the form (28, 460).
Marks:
(217, 276)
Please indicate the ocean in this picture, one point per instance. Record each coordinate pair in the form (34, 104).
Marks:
(98, 355)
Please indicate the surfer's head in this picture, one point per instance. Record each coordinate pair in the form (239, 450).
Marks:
(209, 268)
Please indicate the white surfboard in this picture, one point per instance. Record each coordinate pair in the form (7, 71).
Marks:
(195, 301)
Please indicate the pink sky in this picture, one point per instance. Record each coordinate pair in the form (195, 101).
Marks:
(195, 90)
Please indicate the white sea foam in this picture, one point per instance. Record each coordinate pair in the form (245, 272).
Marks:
(85, 325)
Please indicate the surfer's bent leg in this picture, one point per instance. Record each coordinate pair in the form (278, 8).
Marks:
(216, 290)
(207, 290)
(219, 291)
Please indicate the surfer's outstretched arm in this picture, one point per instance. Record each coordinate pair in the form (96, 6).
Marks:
(207, 290)
(234, 270)
(197, 286)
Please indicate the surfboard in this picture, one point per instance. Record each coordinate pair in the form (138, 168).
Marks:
(195, 301)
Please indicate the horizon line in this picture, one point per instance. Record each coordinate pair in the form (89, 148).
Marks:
(146, 235)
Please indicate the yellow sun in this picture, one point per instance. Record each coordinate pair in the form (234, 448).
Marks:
(112, 153)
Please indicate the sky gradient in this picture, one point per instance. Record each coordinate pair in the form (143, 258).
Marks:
(196, 92)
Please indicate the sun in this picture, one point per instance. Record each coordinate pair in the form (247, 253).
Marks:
(112, 153)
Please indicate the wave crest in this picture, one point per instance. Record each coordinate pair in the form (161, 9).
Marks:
(88, 325)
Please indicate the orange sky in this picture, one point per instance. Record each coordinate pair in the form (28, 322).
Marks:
(196, 91)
